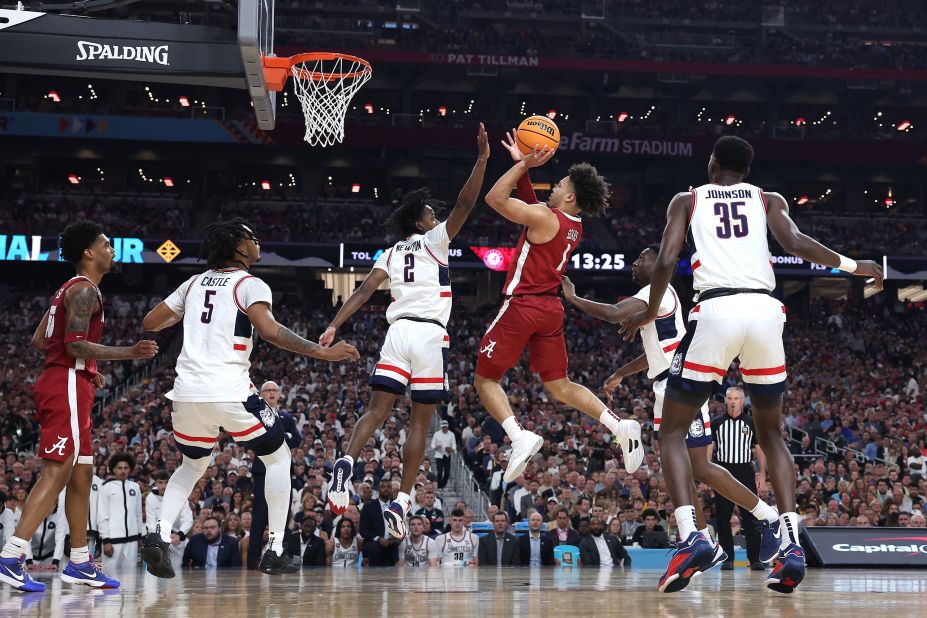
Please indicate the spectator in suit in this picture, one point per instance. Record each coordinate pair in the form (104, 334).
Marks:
(379, 549)
(528, 498)
(210, 549)
(563, 533)
(536, 548)
(306, 545)
(651, 524)
(500, 548)
(601, 548)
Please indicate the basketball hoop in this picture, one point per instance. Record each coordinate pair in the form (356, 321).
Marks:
(324, 83)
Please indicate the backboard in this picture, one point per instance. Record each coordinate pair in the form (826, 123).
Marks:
(256, 39)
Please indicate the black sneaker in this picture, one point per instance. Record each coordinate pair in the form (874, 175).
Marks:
(273, 563)
(155, 553)
(757, 566)
(727, 565)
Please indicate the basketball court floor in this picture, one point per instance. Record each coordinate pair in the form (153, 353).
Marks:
(452, 593)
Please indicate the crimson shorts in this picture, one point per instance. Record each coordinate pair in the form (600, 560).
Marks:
(63, 398)
(535, 321)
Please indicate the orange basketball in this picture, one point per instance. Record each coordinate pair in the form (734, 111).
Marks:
(537, 131)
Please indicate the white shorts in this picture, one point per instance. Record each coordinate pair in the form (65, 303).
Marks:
(699, 431)
(744, 326)
(415, 355)
(197, 425)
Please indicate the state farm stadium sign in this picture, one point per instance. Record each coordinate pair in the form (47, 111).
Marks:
(579, 142)
(847, 547)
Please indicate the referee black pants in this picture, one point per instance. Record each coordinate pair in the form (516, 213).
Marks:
(724, 508)
(444, 470)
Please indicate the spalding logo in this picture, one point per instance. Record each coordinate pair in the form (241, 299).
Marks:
(154, 54)
(543, 126)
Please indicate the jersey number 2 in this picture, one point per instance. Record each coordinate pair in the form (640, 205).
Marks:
(206, 317)
(738, 228)
(407, 274)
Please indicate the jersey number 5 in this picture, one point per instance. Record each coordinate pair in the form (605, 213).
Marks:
(206, 317)
(739, 226)
(407, 274)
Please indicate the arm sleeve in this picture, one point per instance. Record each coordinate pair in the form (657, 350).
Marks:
(383, 261)
(175, 302)
(138, 513)
(253, 290)
(525, 190)
(437, 237)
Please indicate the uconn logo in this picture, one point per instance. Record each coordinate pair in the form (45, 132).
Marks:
(151, 54)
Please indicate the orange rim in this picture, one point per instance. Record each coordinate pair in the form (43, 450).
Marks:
(276, 70)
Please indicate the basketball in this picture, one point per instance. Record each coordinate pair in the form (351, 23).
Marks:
(537, 131)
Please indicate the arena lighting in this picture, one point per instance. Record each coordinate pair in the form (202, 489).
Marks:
(889, 202)
(803, 200)
(622, 116)
(551, 113)
(265, 184)
(53, 95)
(442, 111)
(730, 120)
(355, 188)
(74, 179)
(903, 125)
(800, 121)
(168, 181)
(368, 107)
(184, 101)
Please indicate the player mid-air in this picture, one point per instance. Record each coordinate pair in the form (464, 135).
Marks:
(221, 308)
(69, 335)
(735, 316)
(416, 349)
(661, 338)
(532, 312)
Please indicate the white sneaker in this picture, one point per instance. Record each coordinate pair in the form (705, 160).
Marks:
(631, 446)
(524, 449)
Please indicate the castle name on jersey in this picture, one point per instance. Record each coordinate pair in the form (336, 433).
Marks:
(214, 282)
(729, 195)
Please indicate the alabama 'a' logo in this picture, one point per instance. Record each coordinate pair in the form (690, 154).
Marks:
(488, 349)
(58, 446)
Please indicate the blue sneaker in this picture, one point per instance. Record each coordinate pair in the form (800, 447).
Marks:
(13, 572)
(89, 574)
(689, 558)
(339, 492)
(770, 540)
(788, 571)
(395, 521)
(719, 558)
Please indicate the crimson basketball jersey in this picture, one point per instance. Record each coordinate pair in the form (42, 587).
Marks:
(57, 337)
(539, 268)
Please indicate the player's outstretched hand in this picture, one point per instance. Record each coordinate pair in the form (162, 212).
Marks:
(539, 156)
(144, 349)
(631, 324)
(868, 268)
(328, 336)
(341, 351)
(611, 384)
(482, 143)
(98, 381)
(569, 290)
(509, 144)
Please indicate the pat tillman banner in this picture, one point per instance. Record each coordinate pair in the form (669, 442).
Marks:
(867, 547)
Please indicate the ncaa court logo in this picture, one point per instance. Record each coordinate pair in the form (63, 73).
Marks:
(676, 367)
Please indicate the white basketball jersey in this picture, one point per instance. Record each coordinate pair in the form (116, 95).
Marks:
(456, 552)
(419, 277)
(662, 336)
(344, 556)
(727, 231)
(415, 554)
(217, 335)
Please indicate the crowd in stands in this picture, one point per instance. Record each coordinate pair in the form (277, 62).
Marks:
(854, 417)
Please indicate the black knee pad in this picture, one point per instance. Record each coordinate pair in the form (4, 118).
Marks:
(764, 401)
(694, 399)
(194, 452)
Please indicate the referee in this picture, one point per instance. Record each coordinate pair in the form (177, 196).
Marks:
(734, 437)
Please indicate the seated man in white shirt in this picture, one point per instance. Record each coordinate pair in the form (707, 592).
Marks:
(601, 548)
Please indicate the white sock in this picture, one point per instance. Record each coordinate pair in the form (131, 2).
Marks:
(80, 555)
(611, 420)
(788, 525)
(405, 501)
(706, 532)
(512, 428)
(14, 548)
(685, 520)
(763, 511)
(277, 493)
(179, 488)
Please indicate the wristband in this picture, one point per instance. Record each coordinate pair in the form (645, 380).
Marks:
(846, 264)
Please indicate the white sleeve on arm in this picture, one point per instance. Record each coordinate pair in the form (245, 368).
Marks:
(252, 290)
(644, 294)
(175, 302)
(437, 236)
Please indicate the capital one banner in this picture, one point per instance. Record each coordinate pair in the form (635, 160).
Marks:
(868, 547)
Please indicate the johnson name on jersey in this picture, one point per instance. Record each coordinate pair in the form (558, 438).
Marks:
(419, 276)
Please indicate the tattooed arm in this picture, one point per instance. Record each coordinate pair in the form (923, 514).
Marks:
(282, 337)
(81, 302)
(38, 337)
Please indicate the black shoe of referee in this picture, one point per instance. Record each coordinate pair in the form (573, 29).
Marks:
(155, 553)
(273, 563)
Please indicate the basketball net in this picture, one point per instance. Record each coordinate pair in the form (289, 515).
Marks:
(325, 87)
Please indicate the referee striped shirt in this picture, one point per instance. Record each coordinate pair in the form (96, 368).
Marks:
(733, 438)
